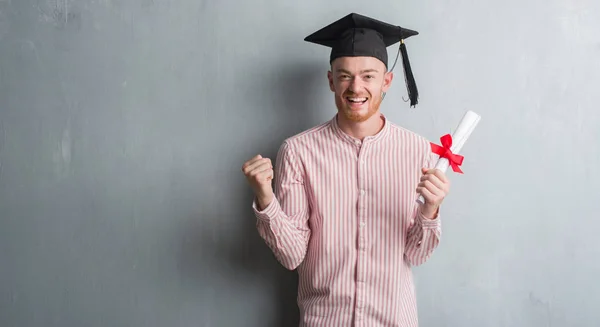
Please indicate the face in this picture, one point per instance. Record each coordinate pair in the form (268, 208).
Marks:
(358, 84)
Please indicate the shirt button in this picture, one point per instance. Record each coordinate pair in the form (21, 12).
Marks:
(362, 224)
(362, 192)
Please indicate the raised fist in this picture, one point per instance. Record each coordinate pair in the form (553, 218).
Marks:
(259, 173)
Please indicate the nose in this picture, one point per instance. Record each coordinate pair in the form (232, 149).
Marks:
(355, 85)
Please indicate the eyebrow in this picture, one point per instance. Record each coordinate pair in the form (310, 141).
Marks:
(371, 70)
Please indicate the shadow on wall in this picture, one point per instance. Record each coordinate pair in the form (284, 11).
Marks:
(233, 250)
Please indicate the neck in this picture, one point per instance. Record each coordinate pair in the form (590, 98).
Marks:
(360, 130)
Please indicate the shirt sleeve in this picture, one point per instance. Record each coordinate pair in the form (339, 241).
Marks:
(424, 234)
(283, 224)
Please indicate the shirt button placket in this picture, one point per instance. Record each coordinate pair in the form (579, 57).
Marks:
(361, 238)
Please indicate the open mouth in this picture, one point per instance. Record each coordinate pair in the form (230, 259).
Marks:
(356, 101)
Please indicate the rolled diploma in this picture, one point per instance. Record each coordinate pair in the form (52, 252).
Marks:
(466, 126)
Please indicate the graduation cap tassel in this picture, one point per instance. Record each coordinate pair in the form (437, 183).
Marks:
(413, 93)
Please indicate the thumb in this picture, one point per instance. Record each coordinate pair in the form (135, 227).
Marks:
(424, 170)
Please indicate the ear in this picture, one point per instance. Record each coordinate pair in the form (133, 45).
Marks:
(330, 78)
(387, 81)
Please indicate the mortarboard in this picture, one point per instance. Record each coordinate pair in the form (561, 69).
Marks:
(358, 35)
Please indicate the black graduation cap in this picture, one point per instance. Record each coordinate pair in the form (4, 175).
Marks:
(358, 35)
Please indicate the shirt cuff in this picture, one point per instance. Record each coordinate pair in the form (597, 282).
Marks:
(268, 213)
(428, 223)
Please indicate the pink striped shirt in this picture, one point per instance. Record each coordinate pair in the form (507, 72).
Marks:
(345, 215)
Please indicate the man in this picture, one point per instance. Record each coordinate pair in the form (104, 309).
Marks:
(344, 210)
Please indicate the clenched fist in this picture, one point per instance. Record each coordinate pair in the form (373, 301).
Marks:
(259, 173)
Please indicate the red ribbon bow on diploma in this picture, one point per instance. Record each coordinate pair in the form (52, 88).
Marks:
(444, 151)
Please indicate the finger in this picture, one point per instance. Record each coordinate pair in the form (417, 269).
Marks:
(265, 175)
(251, 161)
(428, 171)
(434, 190)
(247, 164)
(259, 169)
(439, 174)
(436, 175)
(258, 163)
(427, 195)
(433, 179)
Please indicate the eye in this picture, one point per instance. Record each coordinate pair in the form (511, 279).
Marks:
(370, 76)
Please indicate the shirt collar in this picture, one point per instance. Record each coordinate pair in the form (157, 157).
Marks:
(368, 139)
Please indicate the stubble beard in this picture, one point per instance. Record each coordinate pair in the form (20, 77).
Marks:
(357, 117)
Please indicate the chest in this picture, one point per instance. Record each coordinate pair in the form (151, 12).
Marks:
(376, 178)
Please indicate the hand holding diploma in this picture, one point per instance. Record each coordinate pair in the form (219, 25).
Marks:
(434, 185)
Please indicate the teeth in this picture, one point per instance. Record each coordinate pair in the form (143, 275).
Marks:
(357, 99)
